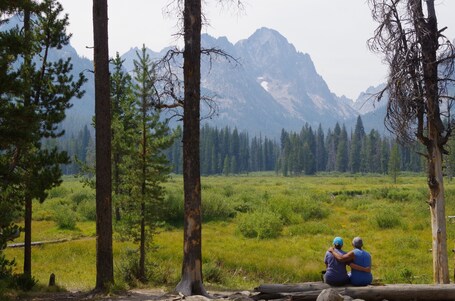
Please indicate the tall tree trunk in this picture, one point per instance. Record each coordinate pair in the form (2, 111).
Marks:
(27, 105)
(28, 237)
(104, 257)
(427, 31)
(142, 245)
(143, 191)
(191, 282)
(438, 222)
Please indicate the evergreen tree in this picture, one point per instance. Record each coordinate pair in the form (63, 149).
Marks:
(226, 170)
(37, 91)
(394, 163)
(342, 158)
(356, 146)
(123, 128)
(147, 166)
(320, 152)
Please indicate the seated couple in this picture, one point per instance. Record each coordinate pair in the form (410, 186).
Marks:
(359, 260)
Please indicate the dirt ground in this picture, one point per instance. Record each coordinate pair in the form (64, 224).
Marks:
(135, 295)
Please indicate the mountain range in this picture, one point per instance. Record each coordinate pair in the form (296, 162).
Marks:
(271, 86)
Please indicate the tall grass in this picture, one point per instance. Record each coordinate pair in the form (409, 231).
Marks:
(257, 228)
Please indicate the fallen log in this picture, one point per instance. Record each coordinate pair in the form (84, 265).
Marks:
(291, 288)
(403, 292)
(38, 243)
(391, 292)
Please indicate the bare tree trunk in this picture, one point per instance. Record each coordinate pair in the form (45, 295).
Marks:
(427, 31)
(191, 282)
(104, 257)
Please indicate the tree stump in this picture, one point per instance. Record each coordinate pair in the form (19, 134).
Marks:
(52, 280)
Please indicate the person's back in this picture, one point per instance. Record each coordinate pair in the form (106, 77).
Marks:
(336, 271)
(360, 278)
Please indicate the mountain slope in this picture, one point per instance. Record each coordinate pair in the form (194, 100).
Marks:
(274, 87)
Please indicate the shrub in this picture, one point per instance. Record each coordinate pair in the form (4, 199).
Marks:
(24, 282)
(314, 211)
(213, 273)
(215, 207)
(228, 191)
(163, 273)
(288, 209)
(80, 196)
(174, 206)
(87, 210)
(387, 219)
(260, 224)
(58, 192)
(128, 267)
(244, 202)
(65, 217)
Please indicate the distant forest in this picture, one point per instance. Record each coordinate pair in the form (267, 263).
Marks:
(226, 151)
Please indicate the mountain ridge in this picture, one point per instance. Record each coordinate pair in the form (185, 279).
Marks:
(274, 87)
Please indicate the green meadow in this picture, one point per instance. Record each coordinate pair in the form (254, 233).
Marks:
(258, 228)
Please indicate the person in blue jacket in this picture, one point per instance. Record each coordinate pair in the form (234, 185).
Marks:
(361, 275)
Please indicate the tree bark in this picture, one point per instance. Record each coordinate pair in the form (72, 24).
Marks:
(104, 257)
(402, 292)
(28, 237)
(191, 282)
(427, 32)
(27, 105)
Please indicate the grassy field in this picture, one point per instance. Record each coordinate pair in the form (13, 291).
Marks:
(257, 229)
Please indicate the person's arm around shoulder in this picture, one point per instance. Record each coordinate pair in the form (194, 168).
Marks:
(360, 268)
(342, 257)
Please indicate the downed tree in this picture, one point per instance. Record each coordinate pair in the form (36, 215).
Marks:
(392, 292)
(38, 243)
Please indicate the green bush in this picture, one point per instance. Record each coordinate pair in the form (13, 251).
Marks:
(163, 273)
(58, 192)
(24, 282)
(215, 207)
(260, 224)
(65, 217)
(80, 196)
(128, 267)
(174, 206)
(87, 210)
(213, 272)
(387, 219)
(245, 202)
(287, 208)
(228, 191)
(314, 211)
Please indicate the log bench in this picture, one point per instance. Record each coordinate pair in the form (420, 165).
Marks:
(391, 292)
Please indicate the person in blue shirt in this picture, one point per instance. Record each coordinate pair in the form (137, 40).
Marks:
(335, 270)
(361, 263)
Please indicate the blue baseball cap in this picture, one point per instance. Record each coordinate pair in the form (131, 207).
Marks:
(338, 241)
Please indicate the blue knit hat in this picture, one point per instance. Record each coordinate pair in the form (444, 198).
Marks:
(338, 241)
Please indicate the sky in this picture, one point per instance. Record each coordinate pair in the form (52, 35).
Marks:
(333, 32)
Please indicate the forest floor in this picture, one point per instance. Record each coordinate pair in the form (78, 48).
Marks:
(134, 295)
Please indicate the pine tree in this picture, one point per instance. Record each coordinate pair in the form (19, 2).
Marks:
(37, 91)
(356, 146)
(342, 158)
(394, 163)
(146, 166)
(123, 128)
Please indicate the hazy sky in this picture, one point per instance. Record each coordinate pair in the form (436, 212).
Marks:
(332, 32)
